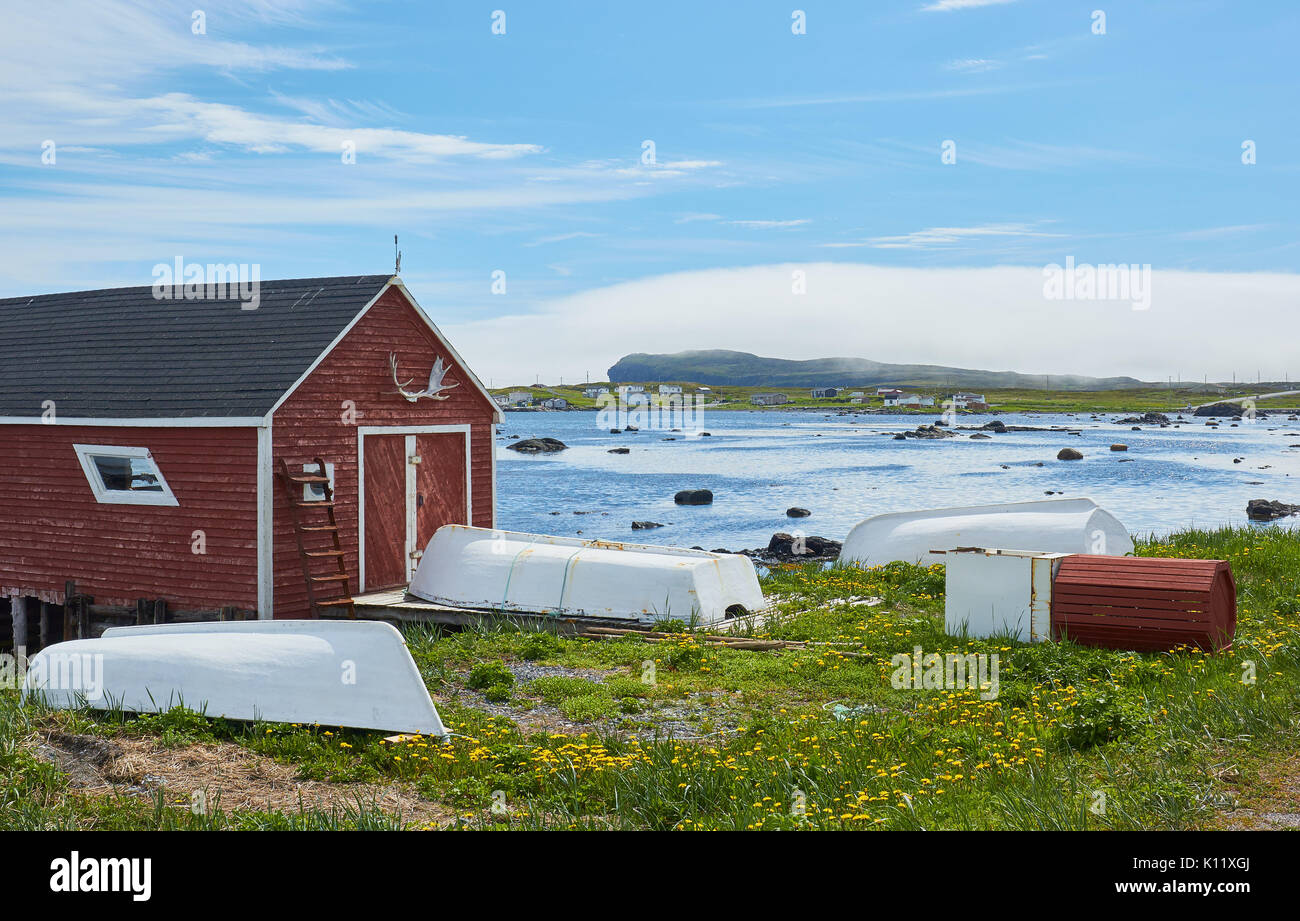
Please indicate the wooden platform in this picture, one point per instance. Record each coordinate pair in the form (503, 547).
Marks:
(397, 607)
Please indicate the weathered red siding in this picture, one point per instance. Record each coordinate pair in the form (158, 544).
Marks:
(52, 529)
(317, 420)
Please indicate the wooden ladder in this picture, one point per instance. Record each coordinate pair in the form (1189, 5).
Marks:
(293, 484)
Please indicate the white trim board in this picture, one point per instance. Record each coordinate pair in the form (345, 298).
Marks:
(265, 525)
(410, 430)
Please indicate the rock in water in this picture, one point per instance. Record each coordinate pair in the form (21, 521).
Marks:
(619, 451)
(538, 446)
(797, 512)
(1269, 509)
(1225, 409)
(788, 547)
(1069, 454)
(1119, 447)
(996, 425)
(645, 525)
(694, 497)
(925, 431)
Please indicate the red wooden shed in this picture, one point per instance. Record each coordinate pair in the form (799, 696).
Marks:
(1144, 603)
(140, 438)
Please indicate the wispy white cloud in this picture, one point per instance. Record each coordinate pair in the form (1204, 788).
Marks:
(1214, 233)
(947, 6)
(884, 96)
(943, 237)
(974, 65)
(91, 79)
(561, 237)
(768, 225)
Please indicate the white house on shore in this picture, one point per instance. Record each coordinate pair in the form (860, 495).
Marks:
(769, 399)
(669, 388)
(909, 401)
(973, 401)
(592, 392)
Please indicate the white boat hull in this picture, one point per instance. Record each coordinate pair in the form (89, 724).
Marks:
(1049, 525)
(539, 574)
(357, 674)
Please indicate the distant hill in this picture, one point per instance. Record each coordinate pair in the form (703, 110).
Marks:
(741, 369)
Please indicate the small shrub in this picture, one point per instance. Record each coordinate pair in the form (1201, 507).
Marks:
(630, 705)
(1101, 718)
(587, 707)
(626, 687)
(539, 645)
(555, 689)
(490, 674)
(498, 694)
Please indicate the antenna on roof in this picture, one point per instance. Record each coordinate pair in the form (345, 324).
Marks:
(397, 267)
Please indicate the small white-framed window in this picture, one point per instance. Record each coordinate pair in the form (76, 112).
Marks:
(124, 476)
(315, 492)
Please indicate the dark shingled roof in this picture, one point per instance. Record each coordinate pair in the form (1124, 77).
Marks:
(121, 353)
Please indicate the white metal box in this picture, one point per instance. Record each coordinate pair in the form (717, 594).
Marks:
(1000, 593)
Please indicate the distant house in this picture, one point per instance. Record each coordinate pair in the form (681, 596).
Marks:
(556, 403)
(520, 396)
(914, 401)
(669, 388)
(502, 399)
(769, 399)
(972, 401)
(857, 395)
(592, 392)
(855, 399)
(888, 392)
(631, 388)
(706, 390)
(825, 393)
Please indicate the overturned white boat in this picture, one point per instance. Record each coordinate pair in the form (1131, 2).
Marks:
(1048, 525)
(508, 571)
(357, 674)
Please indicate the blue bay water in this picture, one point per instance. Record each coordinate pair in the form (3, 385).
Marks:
(845, 468)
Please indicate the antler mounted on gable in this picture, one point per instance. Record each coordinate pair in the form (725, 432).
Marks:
(435, 388)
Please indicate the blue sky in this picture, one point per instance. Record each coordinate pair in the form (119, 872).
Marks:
(523, 153)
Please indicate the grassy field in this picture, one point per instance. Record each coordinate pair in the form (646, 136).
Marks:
(680, 734)
(1153, 399)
